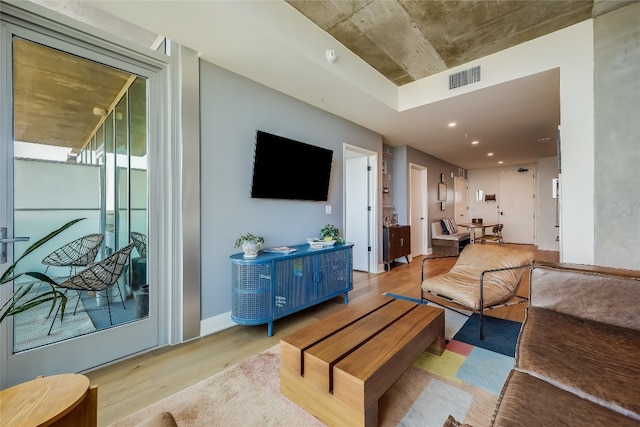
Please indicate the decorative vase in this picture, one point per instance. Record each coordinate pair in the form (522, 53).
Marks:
(251, 249)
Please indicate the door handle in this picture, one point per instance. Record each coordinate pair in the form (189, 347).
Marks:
(3, 243)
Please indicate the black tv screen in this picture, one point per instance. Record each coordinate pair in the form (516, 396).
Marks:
(288, 169)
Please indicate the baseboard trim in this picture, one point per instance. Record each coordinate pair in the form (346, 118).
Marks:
(214, 324)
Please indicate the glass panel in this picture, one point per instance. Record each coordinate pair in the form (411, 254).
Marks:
(91, 164)
(138, 187)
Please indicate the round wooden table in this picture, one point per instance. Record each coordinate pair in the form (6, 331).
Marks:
(64, 399)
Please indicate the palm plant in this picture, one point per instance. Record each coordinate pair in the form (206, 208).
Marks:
(21, 300)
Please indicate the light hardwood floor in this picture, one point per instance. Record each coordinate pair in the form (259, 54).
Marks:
(129, 385)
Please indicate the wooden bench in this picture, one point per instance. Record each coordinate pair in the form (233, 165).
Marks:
(447, 244)
(338, 367)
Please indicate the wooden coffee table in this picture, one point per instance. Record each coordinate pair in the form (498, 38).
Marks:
(338, 367)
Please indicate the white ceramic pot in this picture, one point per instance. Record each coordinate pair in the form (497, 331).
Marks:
(251, 249)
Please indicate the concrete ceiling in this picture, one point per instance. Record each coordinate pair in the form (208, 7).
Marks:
(407, 40)
(384, 46)
(55, 95)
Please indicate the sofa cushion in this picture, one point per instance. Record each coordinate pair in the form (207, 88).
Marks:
(529, 401)
(448, 226)
(462, 283)
(453, 237)
(594, 360)
(436, 233)
(597, 293)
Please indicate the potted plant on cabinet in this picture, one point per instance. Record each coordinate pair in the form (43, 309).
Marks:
(329, 233)
(250, 244)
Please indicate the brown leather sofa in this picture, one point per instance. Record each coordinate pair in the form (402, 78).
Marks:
(578, 353)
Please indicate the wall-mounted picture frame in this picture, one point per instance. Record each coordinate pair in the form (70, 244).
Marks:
(443, 206)
(442, 192)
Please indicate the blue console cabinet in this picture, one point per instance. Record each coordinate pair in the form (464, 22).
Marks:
(274, 285)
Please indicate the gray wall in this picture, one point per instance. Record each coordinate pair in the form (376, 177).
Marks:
(617, 138)
(232, 109)
(403, 157)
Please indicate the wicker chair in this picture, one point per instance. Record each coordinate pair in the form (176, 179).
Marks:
(79, 253)
(140, 241)
(98, 277)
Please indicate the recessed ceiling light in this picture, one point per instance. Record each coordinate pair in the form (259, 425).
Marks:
(452, 124)
(474, 142)
(500, 162)
(489, 154)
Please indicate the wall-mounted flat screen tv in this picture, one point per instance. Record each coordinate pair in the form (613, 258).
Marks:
(288, 169)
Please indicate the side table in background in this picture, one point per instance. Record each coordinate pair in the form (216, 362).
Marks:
(58, 400)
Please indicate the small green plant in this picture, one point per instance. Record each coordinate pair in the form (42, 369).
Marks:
(250, 238)
(22, 300)
(331, 232)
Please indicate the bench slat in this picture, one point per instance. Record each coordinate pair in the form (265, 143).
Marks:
(320, 358)
(292, 346)
(394, 333)
(369, 371)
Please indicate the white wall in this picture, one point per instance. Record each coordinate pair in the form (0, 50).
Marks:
(69, 191)
(488, 181)
(547, 232)
(570, 50)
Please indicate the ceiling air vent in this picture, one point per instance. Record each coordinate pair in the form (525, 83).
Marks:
(464, 77)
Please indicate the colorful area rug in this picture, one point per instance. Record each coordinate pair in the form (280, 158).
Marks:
(464, 382)
(500, 335)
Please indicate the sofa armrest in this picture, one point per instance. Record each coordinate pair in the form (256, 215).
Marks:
(597, 293)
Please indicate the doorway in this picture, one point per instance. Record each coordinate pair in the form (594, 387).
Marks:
(418, 200)
(461, 195)
(360, 174)
(66, 159)
(516, 207)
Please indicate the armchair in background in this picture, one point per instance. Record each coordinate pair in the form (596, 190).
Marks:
(98, 277)
(139, 263)
(483, 278)
(78, 253)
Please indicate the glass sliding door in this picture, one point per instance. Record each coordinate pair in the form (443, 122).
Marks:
(77, 150)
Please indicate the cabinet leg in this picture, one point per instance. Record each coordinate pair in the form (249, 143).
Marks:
(270, 329)
(346, 298)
